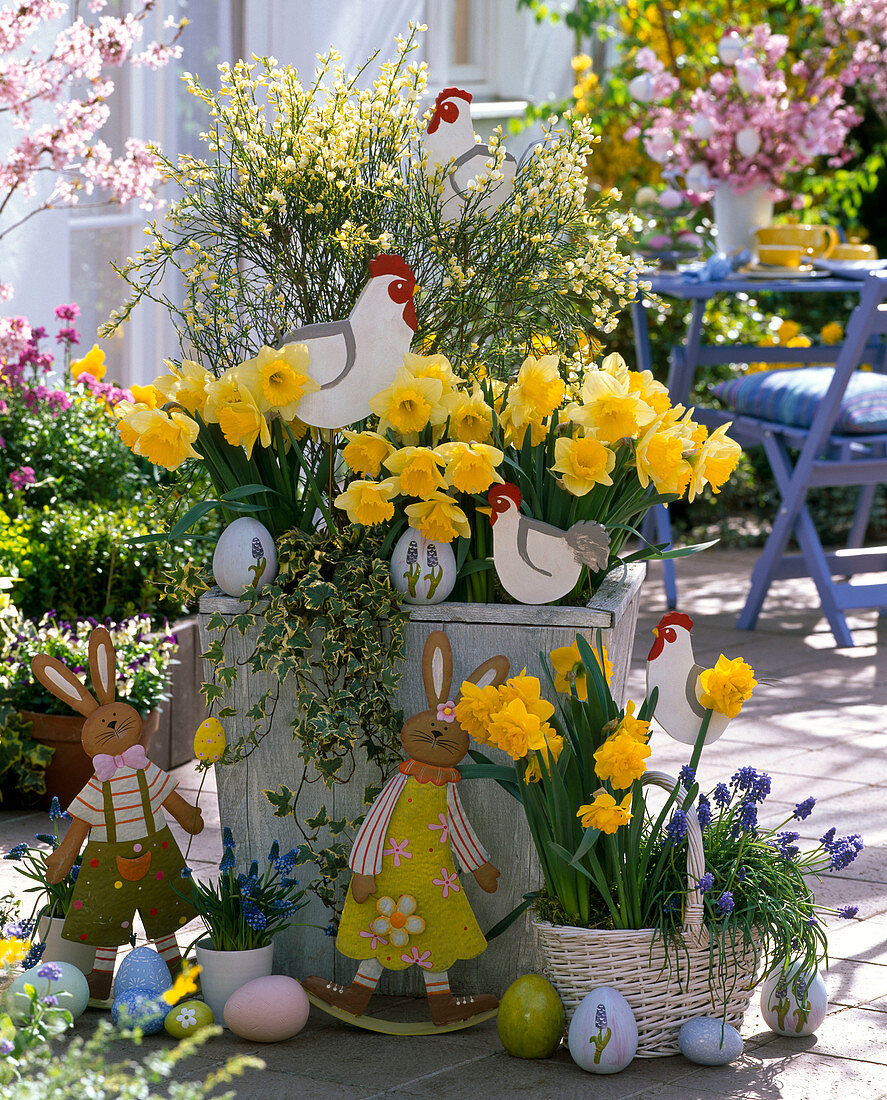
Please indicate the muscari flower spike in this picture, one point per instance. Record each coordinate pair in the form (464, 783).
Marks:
(848, 912)
(725, 904)
(227, 861)
(227, 838)
(804, 809)
(677, 826)
(274, 853)
(56, 813)
(17, 852)
(722, 795)
(600, 1018)
(703, 812)
(706, 882)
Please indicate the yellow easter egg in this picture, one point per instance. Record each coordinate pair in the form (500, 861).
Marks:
(209, 741)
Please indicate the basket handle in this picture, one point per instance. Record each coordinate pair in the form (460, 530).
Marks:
(694, 911)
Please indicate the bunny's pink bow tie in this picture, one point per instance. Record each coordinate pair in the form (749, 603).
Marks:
(106, 766)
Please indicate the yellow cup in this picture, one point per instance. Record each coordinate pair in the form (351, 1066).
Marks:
(781, 255)
(854, 251)
(813, 240)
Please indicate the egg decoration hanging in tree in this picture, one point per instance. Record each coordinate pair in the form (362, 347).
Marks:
(245, 551)
(603, 1034)
(424, 572)
(794, 1001)
(209, 741)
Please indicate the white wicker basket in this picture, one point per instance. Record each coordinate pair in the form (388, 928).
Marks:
(664, 989)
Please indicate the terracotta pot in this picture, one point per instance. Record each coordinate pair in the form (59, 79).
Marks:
(70, 768)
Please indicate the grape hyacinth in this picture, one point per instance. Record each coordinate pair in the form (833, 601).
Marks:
(804, 809)
(33, 956)
(785, 844)
(848, 912)
(687, 776)
(725, 903)
(676, 829)
(703, 812)
(600, 1018)
(56, 813)
(706, 882)
(227, 838)
(227, 860)
(722, 795)
(747, 820)
(756, 786)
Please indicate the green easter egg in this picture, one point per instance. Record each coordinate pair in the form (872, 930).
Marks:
(531, 1018)
(187, 1018)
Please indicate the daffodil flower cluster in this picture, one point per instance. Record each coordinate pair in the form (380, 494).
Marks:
(512, 717)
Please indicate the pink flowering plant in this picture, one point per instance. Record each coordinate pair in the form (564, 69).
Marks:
(855, 35)
(55, 102)
(764, 115)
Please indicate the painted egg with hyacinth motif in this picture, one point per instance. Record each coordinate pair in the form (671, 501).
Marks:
(244, 548)
(794, 1002)
(603, 1034)
(423, 572)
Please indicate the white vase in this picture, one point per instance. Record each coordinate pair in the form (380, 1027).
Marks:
(81, 955)
(223, 972)
(737, 216)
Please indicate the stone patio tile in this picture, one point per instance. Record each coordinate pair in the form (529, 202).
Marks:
(268, 1085)
(857, 1033)
(861, 941)
(856, 983)
(870, 897)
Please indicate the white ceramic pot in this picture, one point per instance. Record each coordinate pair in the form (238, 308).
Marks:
(223, 972)
(738, 216)
(81, 955)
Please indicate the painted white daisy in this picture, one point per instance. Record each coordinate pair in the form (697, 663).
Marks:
(398, 920)
(186, 1017)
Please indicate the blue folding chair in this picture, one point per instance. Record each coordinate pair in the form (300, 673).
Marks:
(835, 418)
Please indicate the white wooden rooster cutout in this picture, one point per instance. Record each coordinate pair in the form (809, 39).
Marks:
(672, 669)
(536, 562)
(450, 140)
(354, 359)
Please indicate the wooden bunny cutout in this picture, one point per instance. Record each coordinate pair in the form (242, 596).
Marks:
(405, 905)
(131, 861)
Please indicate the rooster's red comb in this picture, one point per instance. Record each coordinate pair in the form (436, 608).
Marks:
(505, 490)
(392, 264)
(675, 618)
(452, 93)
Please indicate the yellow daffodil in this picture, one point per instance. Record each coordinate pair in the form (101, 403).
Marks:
(788, 330)
(367, 502)
(220, 391)
(583, 463)
(605, 813)
(409, 404)
(533, 772)
(278, 380)
(660, 458)
(92, 363)
(432, 366)
(569, 670)
(148, 396)
(633, 727)
(621, 759)
(727, 686)
(649, 390)
(608, 409)
(470, 417)
(529, 691)
(183, 985)
(715, 462)
(537, 391)
(163, 438)
(554, 746)
(12, 951)
(832, 333)
(542, 344)
(417, 471)
(439, 519)
(515, 730)
(616, 366)
(515, 433)
(365, 451)
(471, 467)
(242, 422)
(474, 709)
(185, 385)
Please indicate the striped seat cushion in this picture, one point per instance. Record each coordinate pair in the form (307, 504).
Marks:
(793, 396)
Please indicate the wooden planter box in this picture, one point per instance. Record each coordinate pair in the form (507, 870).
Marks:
(476, 631)
(180, 715)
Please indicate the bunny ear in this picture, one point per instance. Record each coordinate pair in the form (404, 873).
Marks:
(492, 672)
(61, 682)
(103, 665)
(437, 667)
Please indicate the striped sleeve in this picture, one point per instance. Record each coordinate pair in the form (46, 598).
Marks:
(160, 785)
(463, 839)
(366, 855)
(89, 805)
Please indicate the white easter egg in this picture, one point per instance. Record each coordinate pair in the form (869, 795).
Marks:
(747, 141)
(794, 1002)
(423, 572)
(702, 127)
(696, 178)
(603, 1034)
(749, 75)
(70, 989)
(645, 196)
(640, 87)
(142, 968)
(267, 1010)
(710, 1042)
(139, 1008)
(241, 546)
(730, 48)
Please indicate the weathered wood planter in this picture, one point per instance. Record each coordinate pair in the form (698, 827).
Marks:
(476, 631)
(184, 710)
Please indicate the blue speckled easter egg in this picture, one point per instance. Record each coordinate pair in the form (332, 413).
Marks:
(139, 1008)
(704, 1042)
(142, 968)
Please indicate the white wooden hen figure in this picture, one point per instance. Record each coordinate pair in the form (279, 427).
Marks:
(354, 359)
(450, 139)
(535, 561)
(672, 669)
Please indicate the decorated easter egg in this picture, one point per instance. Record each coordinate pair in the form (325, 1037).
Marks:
(749, 75)
(188, 1018)
(267, 1010)
(603, 1034)
(530, 1021)
(747, 141)
(696, 178)
(794, 1002)
(422, 571)
(209, 741)
(142, 968)
(710, 1042)
(70, 988)
(701, 126)
(641, 87)
(242, 547)
(139, 1008)
(730, 48)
